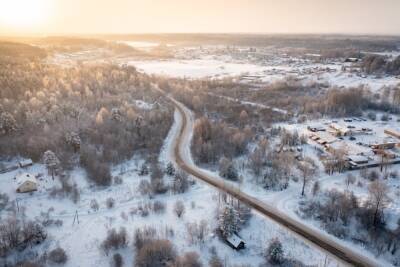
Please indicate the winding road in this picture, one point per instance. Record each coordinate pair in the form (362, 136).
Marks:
(182, 156)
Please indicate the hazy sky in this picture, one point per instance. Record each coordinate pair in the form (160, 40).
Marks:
(247, 16)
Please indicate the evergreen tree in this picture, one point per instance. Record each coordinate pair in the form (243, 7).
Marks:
(275, 252)
(52, 162)
(144, 170)
(170, 170)
(229, 221)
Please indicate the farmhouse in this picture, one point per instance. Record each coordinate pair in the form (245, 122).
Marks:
(26, 182)
(236, 242)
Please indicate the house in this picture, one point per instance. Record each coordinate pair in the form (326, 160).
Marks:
(26, 182)
(387, 145)
(340, 130)
(358, 159)
(25, 163)
(236, 242)
(316, 128)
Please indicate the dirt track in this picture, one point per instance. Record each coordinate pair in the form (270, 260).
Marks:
(343, 254)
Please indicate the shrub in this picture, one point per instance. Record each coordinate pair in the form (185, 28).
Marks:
(94, 205)
(227, 169)
(117, 260)
(17, 235)
(144, 170)
(170, 169)
(58, 256)
(143, 236)
(110, 202)
(189, 259)
(179, 208)
(371, 116)
(155, 253)
(158, 207)
(118, 180)
(384, 117)
(181, 182)
(3, 201)
(144, 187)
(115, 240)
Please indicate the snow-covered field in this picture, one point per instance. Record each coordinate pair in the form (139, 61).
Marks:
(198, 63)
(82, 239)
(197, 68)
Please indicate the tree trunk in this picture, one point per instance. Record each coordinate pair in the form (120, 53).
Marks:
(304, 186)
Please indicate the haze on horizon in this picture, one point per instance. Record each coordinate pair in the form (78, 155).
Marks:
(18, 17)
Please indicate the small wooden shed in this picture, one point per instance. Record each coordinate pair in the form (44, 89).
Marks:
(236, 242)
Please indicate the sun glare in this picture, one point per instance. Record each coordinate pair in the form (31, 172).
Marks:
(23, 13)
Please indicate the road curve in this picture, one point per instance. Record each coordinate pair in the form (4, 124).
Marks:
(181, 154)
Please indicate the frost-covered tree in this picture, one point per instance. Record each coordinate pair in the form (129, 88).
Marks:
(7, 123)
(116, 114)
(73, 139)
(181, 182)
(228, 221)
(275, 254)
(52, 162)
(144, 170)
(170, 170)
(308, 170)
(227, 169)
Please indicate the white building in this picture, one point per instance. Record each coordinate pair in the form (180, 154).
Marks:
(26, 182)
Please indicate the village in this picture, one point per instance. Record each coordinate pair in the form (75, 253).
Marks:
(352, 143)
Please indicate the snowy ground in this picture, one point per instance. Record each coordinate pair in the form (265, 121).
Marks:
(197, 68)
(200, 62)
(82, 240)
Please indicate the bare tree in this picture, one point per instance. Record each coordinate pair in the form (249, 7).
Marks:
(308, 169)
(378, 198)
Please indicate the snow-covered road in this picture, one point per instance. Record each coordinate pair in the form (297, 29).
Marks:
(319, 239)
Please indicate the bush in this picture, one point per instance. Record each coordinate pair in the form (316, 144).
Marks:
(3, 201)
(98, 171)
(58, 256)
(117, 260)
(144, 187)
(143, 236)
(179, 208)
(158, 207)
(115, 240)
(189, 259)
(181, 182)
(110, 202)
(384, 117)
(227, 169)
(15, 234)
(170, 169)
(118, 180)
(94, 205)
(371, 116)
(155, 253)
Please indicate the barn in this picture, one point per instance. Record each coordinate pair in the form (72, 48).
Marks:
(26, 182)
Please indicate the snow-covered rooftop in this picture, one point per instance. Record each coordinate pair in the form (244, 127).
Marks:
(25, 177)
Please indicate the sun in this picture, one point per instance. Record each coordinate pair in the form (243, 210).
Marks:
(23, 13)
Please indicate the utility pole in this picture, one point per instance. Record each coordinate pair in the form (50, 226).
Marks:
(76, 218)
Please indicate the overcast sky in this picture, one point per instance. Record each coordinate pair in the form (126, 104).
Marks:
(239, 16)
